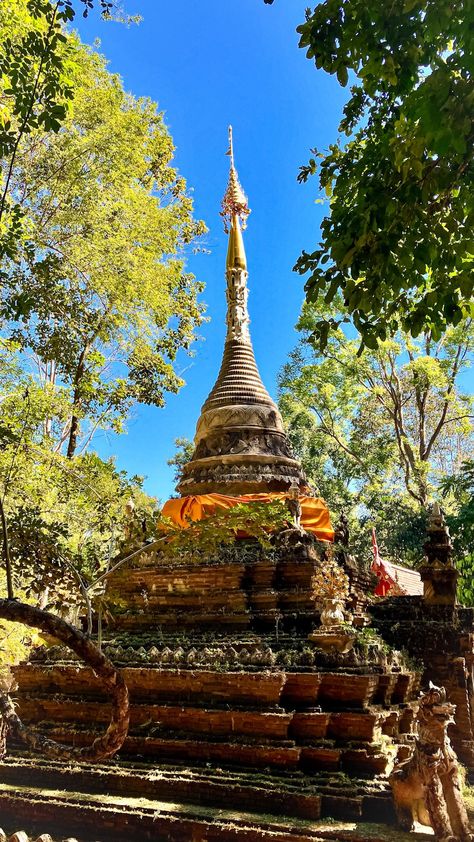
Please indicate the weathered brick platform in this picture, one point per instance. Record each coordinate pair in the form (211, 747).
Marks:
(441, 639)
(235, 716)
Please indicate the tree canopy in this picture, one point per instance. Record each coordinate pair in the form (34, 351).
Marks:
(458, 488)
(64, 515)
(35, 88)
(378, 433)
(96, 292)
(397, 243)
(95, 300)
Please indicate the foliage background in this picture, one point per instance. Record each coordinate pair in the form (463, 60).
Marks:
(95, 300)
(385, 433)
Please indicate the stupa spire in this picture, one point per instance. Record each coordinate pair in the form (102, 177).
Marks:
(240, 443)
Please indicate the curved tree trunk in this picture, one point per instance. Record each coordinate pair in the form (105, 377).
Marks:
(3, 738)
(111, 679)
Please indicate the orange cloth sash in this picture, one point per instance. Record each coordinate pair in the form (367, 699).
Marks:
(314, 512)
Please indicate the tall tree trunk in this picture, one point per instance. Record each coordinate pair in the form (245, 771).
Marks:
(50, 377)
(73, 434)
(74, 430)
(423, 494)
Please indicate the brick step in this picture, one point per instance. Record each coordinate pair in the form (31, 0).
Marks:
(295, 795)
(203, 604)
(293, 781)
(167, 603)
(257, 689)
(200, 602)
(227, 576)
(183, 786)
(121, 819)
(364, 726)
(177, 578)
(199, 656)
(355, 759)
(198, 639)
(217, 722)
(393, 687)
(135, 621)
(256, 615)
(139, 593)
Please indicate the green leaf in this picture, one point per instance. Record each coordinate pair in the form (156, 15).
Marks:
(342, 75)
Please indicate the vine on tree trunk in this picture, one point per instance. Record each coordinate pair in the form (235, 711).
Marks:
(111, 679)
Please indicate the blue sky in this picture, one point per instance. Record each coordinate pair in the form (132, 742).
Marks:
(208, 64)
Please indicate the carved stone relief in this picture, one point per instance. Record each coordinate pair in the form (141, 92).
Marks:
(248, 415)
(244, 441)
(237, 314)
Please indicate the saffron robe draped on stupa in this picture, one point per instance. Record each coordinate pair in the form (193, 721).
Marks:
(314, 512)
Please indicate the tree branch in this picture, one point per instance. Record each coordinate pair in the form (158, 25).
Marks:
(111, 680)
(449, 391)
(325, 429)
(6, 551)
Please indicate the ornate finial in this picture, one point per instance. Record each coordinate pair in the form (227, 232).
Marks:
(240, 443)
(234, 203)
(230, 150)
